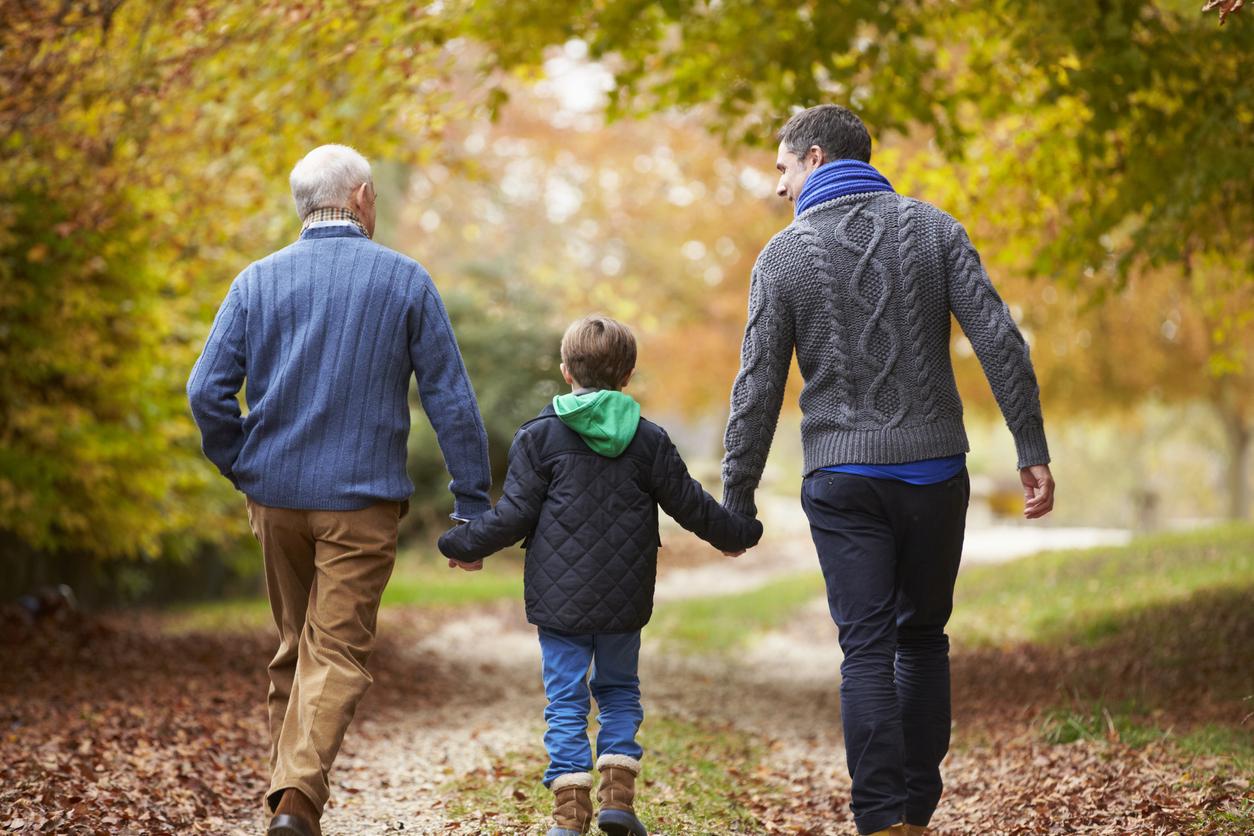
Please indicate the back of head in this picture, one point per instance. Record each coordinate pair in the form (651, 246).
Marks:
(835, 129)
(327, 177)
(599, 352)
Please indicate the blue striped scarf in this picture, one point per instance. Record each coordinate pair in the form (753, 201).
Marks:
(837, 179)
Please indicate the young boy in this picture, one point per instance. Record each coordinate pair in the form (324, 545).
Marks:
(584, 484)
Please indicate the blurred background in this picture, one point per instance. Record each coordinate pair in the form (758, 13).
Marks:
(548, 159)
(545, 160)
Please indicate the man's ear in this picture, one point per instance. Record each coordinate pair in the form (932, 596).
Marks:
(361, 197)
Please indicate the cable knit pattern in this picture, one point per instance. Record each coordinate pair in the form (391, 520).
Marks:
(871, 290)
(909, 258)
(764, 361)
(839, 342)
(862, 288)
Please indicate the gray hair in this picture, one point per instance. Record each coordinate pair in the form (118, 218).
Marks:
(327, 177)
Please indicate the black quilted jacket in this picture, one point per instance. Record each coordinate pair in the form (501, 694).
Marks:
(590, 525)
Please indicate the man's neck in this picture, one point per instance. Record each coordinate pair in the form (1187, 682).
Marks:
(333, 216)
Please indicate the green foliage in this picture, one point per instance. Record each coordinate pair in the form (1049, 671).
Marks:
(749, 61)
(511, 347)
(144, 148)
(91, 430)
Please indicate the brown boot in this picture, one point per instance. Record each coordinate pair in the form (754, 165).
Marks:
(572, 804)
(618, 796)
(915, 829)
(295, 815)
(893, 830)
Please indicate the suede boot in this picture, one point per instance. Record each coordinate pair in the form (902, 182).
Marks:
(617, 796)
(295, 815)
(572, 804)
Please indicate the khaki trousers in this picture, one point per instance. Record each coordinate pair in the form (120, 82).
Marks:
(325, 574)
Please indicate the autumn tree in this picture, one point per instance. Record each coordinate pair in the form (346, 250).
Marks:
(144, 150)
(1110, 140)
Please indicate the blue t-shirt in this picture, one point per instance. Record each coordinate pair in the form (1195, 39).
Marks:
(925, 472)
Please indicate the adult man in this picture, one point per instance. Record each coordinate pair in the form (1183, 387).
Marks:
(328, 332)
(861, 285)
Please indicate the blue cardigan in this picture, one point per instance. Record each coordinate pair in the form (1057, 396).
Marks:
(328, 332)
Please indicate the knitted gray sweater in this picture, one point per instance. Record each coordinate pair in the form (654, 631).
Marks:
(862, 288)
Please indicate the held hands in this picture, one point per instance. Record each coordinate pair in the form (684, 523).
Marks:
(756, 528)
(1038, 491)
(457, 564)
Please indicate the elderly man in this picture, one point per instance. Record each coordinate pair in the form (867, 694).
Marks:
(328, 332)
(861, 285)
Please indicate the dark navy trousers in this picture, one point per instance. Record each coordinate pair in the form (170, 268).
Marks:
(889, 553)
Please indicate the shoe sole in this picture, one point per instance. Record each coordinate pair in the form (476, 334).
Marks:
(286, 825)
(620, 823)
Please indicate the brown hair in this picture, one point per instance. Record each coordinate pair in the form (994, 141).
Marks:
(598, 351)
(835, 129)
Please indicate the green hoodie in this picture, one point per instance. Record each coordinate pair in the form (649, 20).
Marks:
(606, 419)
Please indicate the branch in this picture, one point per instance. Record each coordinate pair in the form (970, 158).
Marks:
(1226, 7)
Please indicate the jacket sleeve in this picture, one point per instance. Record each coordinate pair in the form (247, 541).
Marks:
(683, 498)
(449, 402)
(999, 345)
(758, 392)
(512, 518)
(214, 385)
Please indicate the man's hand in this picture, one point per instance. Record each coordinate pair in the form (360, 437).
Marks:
(465, 567)
(1038, 491)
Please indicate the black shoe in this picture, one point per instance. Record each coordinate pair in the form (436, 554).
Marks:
(285, 824)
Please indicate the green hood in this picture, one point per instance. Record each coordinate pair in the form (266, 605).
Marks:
(605, 419)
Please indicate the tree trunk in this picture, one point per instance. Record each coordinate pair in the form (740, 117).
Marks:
(1238, 432)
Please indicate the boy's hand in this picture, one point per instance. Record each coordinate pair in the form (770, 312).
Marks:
(734, 554)
(465, 567)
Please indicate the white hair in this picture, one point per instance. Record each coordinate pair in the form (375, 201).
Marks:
(327, 177)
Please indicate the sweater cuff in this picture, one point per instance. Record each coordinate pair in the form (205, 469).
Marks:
(1030, 444)
(467, 510)
(739, 501)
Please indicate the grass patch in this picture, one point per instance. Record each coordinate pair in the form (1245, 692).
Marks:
(723, 623)
(697, 779)
(1099, 722)
(418, 581)
(426, 583)
(1087, 595)
(237, 615)
(1129, 725)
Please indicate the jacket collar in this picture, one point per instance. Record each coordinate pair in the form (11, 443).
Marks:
(337, 231)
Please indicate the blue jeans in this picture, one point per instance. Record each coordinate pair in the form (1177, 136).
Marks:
(613, 659)
(889, 553)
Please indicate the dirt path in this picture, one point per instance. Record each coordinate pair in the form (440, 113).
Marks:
(116, 727)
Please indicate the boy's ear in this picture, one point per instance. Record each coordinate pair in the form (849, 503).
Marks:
(623, 383)
(570, 381)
